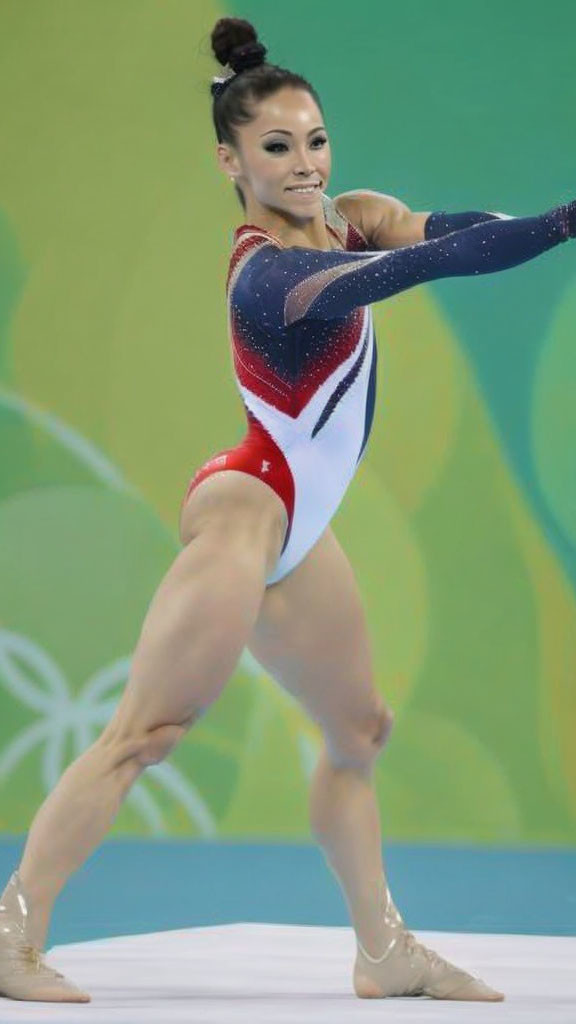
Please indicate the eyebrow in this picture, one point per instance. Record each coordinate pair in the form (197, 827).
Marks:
(284, 132)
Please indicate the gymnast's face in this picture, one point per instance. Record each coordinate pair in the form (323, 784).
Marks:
(285, 145)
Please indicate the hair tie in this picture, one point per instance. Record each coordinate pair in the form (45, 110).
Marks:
(219, 83)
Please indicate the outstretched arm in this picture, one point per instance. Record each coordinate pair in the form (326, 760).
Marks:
(388, 223)
(280, 286)
(441, 223)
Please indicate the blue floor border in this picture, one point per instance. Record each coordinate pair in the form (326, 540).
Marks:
(130, 886)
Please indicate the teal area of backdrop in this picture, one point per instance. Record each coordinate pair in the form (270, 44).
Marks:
(116, 384)
(196, 883)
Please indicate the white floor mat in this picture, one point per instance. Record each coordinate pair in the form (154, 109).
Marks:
(282, 973)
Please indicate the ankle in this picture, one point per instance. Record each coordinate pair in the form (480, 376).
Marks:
(377, 950)
(377, 936)
(37, 888)
(38, 906)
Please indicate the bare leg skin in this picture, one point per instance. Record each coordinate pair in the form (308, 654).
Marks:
(192, 637)
(345, 819)
(312, 637)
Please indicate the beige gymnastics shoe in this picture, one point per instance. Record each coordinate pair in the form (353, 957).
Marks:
(23, 972)
(407, 968)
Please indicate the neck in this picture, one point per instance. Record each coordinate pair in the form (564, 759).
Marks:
(303, 232)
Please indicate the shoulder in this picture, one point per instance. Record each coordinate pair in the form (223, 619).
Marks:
(368, 211)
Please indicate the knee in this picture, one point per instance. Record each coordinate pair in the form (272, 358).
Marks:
(145, 748)
(360, 746)
(158, 743)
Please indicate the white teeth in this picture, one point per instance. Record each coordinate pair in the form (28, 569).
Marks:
(309, 188)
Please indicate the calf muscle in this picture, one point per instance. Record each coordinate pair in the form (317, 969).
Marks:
(194, 631)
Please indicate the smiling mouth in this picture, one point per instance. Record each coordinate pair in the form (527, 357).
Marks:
(306, 189)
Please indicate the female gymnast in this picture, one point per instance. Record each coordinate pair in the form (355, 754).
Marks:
(260, 566)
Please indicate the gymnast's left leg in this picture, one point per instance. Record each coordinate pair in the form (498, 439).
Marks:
(311, 636)
(345, 820)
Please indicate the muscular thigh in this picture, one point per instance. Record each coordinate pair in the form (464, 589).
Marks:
(311, 636)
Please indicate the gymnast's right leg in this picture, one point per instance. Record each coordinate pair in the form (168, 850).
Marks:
(194, 632)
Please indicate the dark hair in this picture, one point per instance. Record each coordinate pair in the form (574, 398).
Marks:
(235, 43)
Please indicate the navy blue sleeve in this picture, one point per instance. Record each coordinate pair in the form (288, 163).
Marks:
(280, 286)
(441, 223)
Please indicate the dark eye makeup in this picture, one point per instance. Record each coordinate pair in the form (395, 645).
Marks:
(271, 147)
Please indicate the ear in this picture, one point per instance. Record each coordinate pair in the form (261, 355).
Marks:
(227, 160)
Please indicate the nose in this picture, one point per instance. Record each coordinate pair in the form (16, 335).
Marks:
(304, 166)
(306, 178)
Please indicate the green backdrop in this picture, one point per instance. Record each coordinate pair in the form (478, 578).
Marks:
(115, 231)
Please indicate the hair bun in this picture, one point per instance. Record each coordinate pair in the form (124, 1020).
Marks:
(235, 44)
(249, 55)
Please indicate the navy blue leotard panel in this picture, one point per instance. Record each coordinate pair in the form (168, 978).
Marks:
(280, 286)
(304, 350)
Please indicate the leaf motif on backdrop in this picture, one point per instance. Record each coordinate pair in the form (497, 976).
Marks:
(33, 678)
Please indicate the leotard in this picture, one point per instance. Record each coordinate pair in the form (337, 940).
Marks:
(304, 350)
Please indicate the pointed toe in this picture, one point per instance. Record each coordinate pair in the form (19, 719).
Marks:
(474, 990)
